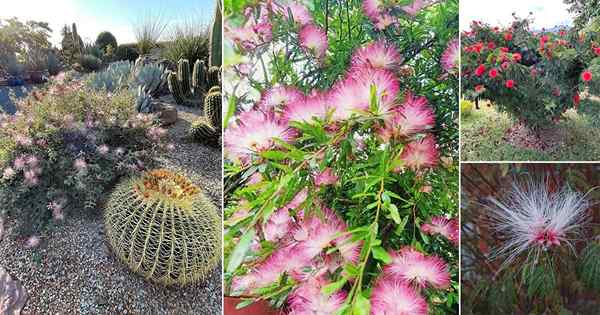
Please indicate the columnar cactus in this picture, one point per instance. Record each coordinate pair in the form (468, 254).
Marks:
(214, 58)
(188, 87)
(213, 76)
(212, 109)
(163, 228)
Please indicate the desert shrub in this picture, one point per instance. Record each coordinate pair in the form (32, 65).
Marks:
(105, 39)
(148, 30)
(65, 147)
(189, 41)
(54, 63)
(90, 63)
(126, 52)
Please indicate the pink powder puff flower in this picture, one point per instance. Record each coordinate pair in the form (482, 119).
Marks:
(450, 57)
(32, 241)
(420, 154)
(378, 54)
(31, 178)
(373, 9)
(252, 133)
(300, 13)
(255, 179)
(314, 40)
(32, 160)
(306, 109)
(119, 151)
(80, 164)
(443, 226)
(103, 149)
(410, 266)
(278, 225)
(353, 94)
(8, 173)
(23, 140)
(414, 7)
(20, 162)
(278, 97)
(57, 210)
(395, 297)
(314, 234)
(326, 177)
(156, 133)
(414, 116)
(308, 299)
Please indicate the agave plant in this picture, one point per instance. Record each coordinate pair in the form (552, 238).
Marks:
(151, 76)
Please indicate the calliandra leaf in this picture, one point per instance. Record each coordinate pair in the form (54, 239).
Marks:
(240, 250)
(381, 254)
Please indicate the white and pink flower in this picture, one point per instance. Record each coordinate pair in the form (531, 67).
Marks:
(308, 298)
(414, 116)
(443, 226)
(314, 40)
(378, 54)
(391, 296)
(451, 56)
(307, 108)
(279, 97)
(420, 154)
(326, 177)
(411, 266)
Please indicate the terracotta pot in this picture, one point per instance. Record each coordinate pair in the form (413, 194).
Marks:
(257, 308)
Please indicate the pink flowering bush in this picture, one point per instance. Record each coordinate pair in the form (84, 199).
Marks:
(65, 147)
(341, 190)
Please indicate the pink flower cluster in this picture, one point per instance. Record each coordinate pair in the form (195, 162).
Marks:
(372, 70)
(254, 32)
(304, 254)
(30, 166)
(448, 228)
(380, 11)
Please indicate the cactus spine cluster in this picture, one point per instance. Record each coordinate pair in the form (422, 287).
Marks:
(214, 59)
(163, 228)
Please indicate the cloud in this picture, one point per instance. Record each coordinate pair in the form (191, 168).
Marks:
(548, 14)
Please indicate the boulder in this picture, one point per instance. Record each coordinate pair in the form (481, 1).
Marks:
(12, 294)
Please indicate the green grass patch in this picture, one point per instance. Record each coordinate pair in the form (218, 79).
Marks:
(482, 132)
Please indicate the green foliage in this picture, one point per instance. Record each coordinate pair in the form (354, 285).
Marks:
(585, 11)
(126, 52)
(466, 108)
(54, 63)
(216, 33)
(163, 227)
(105, 39)
(23, 44)
(90, 63)
(213, 109)
(588, 267)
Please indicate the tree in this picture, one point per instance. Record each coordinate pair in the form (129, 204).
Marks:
(585, 11)
(104, 39)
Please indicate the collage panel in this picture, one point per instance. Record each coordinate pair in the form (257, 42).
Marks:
(529, 81)
(110, 199)
(341, 157)
(529, 238)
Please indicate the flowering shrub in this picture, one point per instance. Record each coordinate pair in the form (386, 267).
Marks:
(65, 146)
(529, 240)
(342, 187)
(533, 76)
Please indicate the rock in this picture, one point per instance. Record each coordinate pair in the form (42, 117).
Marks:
(167, 115)
(12, 294)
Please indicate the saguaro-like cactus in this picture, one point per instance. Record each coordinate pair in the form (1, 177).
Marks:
(213, 76)
(188, 87)
(214, 58)
(163, 228)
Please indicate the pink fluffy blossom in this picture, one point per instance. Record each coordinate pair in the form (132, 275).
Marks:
(308, 299)
(8, 173)
(255, 31)
(395, 297)
(326, 177)
(443, 226)
(252, 133)
(450, 56)
(32, 241)
(31, 178)
(410, 266)
(278, 97)
(414, 116)
(420, 154)
(80, 164)
(378, 13)
(353, 94)
(307, 108)
(57, 210)
(378, 54)
(299, 12)
(103, 149)
(414, 7)
(23, 140)
(20, 162)
(314, 40)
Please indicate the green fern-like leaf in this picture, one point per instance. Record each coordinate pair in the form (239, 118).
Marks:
(539, 279)
(588, 267)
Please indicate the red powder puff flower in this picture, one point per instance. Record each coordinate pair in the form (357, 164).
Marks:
(510, 84)
(491, 45)
(480, 70)
(517, 57)
(576, 99)
(479, 88)
(504, 49)
(544, 39)
(586, 76)
(508, 36)
(493, 73)
(505, 65)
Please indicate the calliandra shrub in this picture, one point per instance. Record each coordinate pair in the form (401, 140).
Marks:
(533, 76)
(341, 186)
(163, 227)
(65, 147)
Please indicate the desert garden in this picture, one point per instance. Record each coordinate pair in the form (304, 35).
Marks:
(110, 166)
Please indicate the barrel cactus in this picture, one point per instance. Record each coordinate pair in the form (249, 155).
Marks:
(212, 109)
(163, 228)
(215, 88)
(203, 131)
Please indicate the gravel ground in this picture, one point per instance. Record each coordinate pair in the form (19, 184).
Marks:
(73, 271)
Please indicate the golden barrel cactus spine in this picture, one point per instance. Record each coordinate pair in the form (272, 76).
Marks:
(163, 228)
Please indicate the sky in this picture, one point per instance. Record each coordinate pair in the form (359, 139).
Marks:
(547, 13)
(116, 16)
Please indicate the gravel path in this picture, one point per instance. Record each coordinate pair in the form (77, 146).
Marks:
(73, 271)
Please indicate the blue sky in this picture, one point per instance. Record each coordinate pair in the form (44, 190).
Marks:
(118, 17)
(547, 13)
